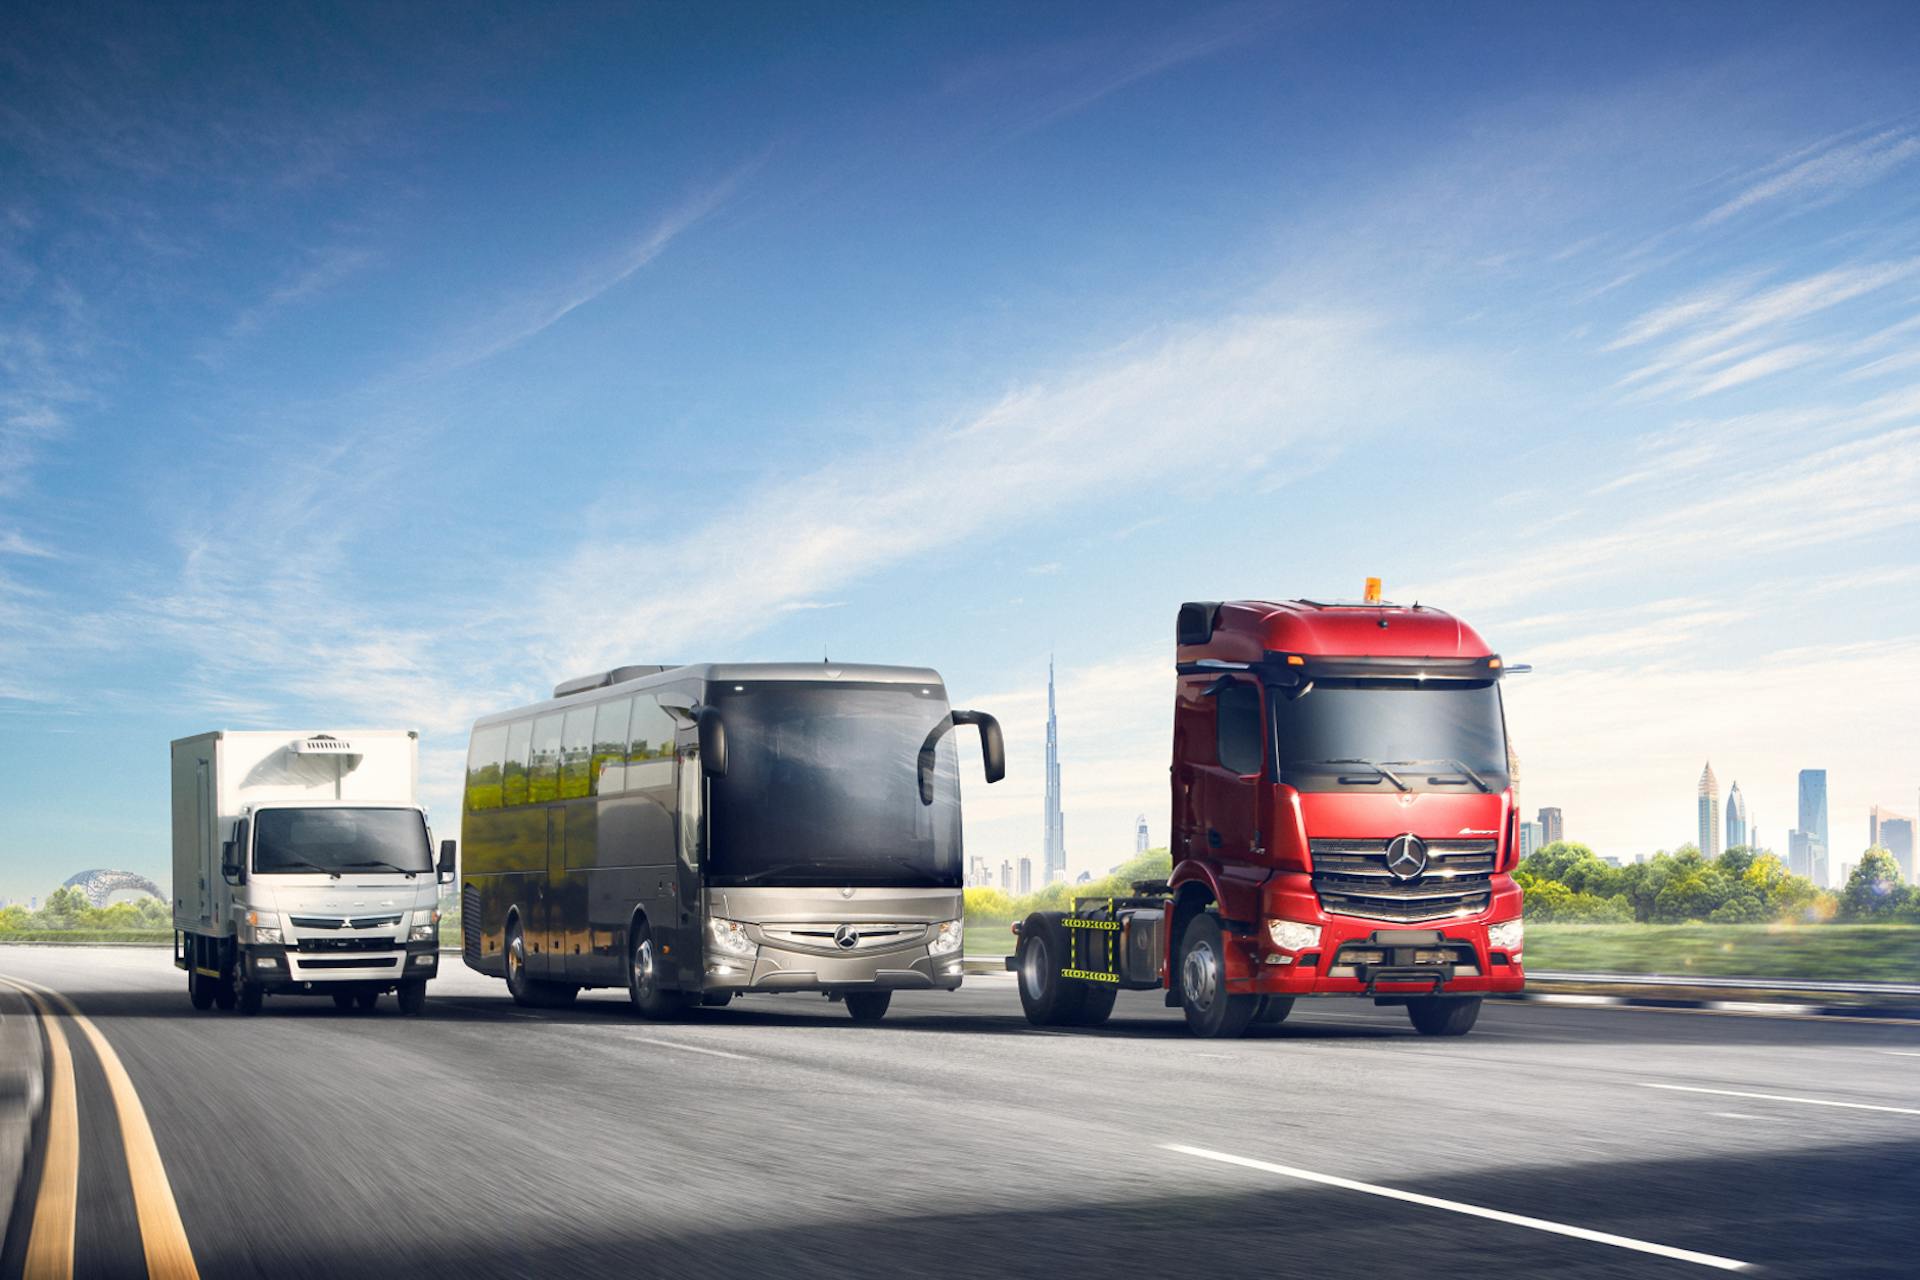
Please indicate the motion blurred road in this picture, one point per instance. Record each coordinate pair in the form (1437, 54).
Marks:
(776, 1136)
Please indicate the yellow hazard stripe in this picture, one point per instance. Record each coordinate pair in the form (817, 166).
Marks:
(1089, 975)
(1073, 922)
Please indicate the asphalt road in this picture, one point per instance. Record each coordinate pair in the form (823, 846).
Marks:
(776, 1137)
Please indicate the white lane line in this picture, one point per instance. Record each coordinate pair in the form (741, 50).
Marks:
(690, 1048)
(1782, 1097)
(1471, 1210)
(1902, 1053)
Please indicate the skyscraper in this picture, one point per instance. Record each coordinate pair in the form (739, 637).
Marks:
(1813, 821)
(1006, 876)
(1709, 813)
(1800, 854)
(1736, 818)
(1054, 855)
(1529, 838)
(1140, 836)
(1889, 831)
(1026, 876)
(1552, 828)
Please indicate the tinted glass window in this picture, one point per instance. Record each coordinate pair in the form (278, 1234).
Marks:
(513, 773)
(823, 786)
(304, 841)
(543, 766)
(604, 774)
(484, 756)
(576, 745)
(1431, 736)
(1238, 712)
(650, 762)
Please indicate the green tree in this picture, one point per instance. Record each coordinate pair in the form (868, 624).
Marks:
(1874, 890)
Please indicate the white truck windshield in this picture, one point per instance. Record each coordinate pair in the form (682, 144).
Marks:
(288, 841)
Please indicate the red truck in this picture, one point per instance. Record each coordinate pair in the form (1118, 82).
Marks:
(1344, 823)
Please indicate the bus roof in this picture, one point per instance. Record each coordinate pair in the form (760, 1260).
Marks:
(587, 689)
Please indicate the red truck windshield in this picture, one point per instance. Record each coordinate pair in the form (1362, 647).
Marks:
(1391, 735)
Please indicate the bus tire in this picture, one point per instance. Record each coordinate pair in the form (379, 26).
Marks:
(1444, 1015)
(412, 997)
(1048, 999)
(649, 997)
(1273, 1010)
(1211, 1012)
(868, 1006)
(199, 989)
(520, 985)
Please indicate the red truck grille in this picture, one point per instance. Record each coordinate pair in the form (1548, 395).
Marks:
(1352, 879)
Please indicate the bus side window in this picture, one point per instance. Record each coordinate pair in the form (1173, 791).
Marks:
(513, 773)
(543, 767)
(650, 762)
(483, 768)
(606, 772)
(576, 745)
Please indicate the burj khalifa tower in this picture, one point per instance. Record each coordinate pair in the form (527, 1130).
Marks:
(1055, 860)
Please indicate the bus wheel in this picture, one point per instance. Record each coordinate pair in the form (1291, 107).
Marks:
(1273, 1009)
(519, 985)
(868, 1006)
(1211, 1012)
(412, 997)
(643, 978)
(1048, 999)
(1441, 1016)
(199, 989)
(343, 1000)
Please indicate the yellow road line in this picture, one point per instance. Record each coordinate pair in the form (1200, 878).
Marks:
(164, 1238)
(50, 1238)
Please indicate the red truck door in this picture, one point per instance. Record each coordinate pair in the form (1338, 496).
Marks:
(1227, 790)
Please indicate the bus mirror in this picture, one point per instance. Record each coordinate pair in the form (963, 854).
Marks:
(446, 861)
(993, 748)
(713, 743)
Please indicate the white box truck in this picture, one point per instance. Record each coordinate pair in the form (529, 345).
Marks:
(303, 865)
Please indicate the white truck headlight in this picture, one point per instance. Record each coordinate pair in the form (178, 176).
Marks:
(1293, 935)
(1505, 936)
(263, 929)
(946, 938)
(425, 926)
(730, 937)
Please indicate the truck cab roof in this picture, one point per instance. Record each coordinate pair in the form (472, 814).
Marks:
(1249, 630)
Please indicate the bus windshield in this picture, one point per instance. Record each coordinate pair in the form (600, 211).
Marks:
(1390, 735)
(822, 787)
(295, 841)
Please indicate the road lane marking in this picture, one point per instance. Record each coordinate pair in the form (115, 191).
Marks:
(50, 1239)
(162, 1235)
(1782, 1097)
(690, 1048)
(1471, 1210)
(1902, 1053)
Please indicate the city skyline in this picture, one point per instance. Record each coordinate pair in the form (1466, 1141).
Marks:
(1709, 806)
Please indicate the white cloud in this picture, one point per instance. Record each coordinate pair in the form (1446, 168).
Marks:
(1825, 176)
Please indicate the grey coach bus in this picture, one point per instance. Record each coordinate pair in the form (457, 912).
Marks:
(694, 832)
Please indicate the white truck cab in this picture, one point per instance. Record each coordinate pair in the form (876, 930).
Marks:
(303, 865)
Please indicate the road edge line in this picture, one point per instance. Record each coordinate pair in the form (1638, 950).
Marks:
(50, 1232)
(163, 1237)
(1471, 1210)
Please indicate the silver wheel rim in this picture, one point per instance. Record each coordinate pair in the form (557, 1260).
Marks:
(643, 969)
(516, 963)
(1200, 977)
(1033, 967)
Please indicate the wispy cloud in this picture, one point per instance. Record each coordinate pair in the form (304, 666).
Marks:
(321, 271)
(1825, 176)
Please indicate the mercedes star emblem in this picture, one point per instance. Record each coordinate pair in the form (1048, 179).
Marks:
(1406, 857)
(846, 937)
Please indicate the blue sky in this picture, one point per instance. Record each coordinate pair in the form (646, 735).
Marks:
(382, 365)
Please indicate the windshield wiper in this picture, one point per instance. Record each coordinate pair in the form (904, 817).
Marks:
(1459, 766)
(297, 864)
(1374, 765)
(380, 862)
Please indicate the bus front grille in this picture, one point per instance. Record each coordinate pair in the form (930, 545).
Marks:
(1352, 878)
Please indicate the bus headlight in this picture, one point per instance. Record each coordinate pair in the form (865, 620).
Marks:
(1292, 935)
(946, 938)
(730, 937)
(1505, 936)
